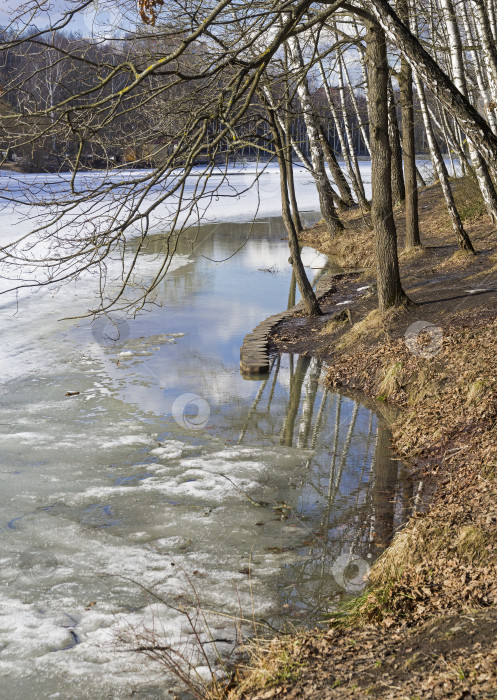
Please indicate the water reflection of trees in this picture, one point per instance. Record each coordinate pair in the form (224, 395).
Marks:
(218, 241)
(352, 495)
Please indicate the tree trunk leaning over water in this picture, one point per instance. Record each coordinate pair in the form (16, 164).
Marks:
(308, 296)
(288, 150)
(390, 292)
(328, 211)
(288, 138)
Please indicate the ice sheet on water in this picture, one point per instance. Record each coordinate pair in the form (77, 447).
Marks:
(92, 489)
(94, 594)
(171, 449)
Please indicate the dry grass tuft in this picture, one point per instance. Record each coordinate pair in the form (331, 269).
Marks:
(459, 259)
(372, 326)
(271, 662)
(468, 199)
(427, 385)
(476, 391)
(393, 560)
(392, 381)
(413, 253)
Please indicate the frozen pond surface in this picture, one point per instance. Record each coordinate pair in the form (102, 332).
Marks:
(168, 471)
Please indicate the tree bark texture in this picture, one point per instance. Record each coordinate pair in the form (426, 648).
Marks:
(390, 292)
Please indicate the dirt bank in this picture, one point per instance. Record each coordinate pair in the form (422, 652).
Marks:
(426, 626)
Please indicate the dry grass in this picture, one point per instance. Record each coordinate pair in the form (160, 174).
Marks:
(410, 254)
(468, 199)
(271, 662)
(373, 327)
(460, 259)
(428, 386)
(392, 380)
(487, 271)
(477, 390)
(353, 248)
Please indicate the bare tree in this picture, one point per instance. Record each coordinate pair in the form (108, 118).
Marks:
(390, 292)
(179, 96)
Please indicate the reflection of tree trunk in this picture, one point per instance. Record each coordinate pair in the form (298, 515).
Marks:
(308, 404)
(276, 371)
(318, 425)
(295, 394)
(335, 477)
(345, 451)
(384, 476)
(336, 432)
(252, 410)
(408, 493)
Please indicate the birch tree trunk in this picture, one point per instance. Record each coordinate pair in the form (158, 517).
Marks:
(439, 83)
(288, 154)
(492, 15)
(357, 111)
(483, 85)
(488, 44)
(291, 188)
(308, 296)
(335, 169)
(328, 211)
(357, 184)
(390, 292)
(398, 186)
(346, 124)
(443, 124)
(413, 239)
(463, 240)
(457, 63)
(289, 139)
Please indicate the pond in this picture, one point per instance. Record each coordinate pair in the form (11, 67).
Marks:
(141, 472)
